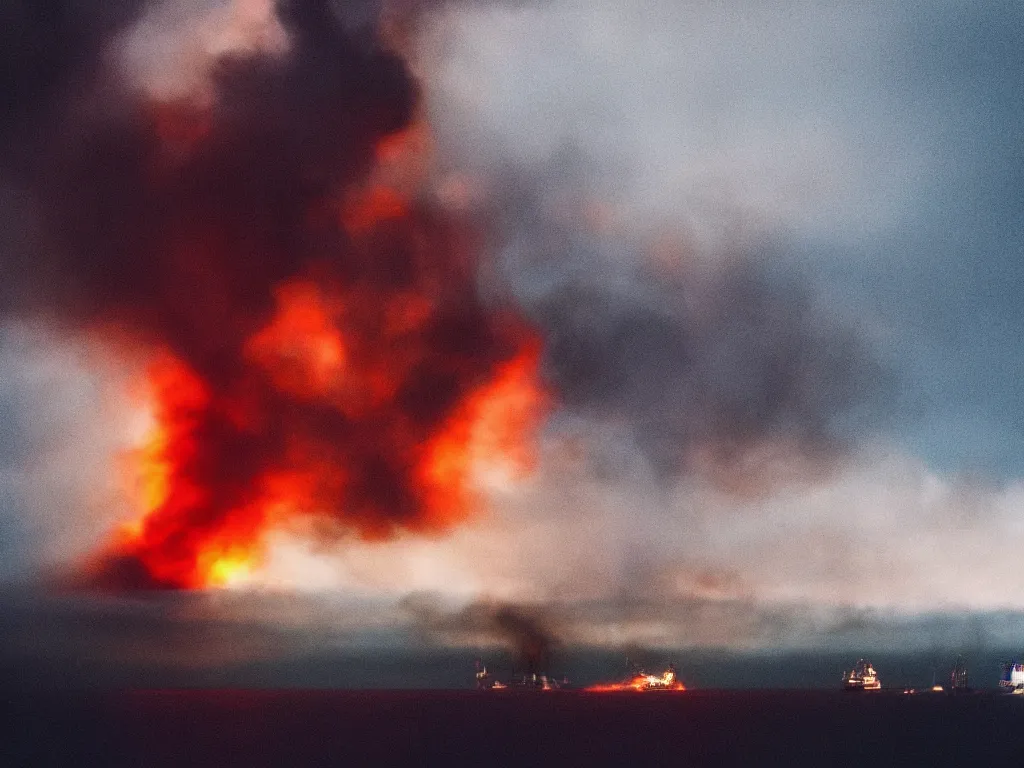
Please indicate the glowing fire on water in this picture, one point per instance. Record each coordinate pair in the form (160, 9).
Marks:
(668, 681)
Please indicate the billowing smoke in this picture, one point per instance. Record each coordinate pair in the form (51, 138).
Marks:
(48, 46)
(530, 638)
(527, 632)
(720, 362)
(723, 370)
(318, 347)
(338, 332)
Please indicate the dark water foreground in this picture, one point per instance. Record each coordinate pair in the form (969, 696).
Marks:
(348, 728)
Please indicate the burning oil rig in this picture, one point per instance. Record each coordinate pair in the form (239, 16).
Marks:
(530, 640)
(484, 680)
(861, 678)
(642, 681)
(531, 681)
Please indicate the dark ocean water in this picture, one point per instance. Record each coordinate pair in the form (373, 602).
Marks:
(409, 728)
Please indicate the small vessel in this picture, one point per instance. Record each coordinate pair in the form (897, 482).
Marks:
(861, 678)
(1012, 679)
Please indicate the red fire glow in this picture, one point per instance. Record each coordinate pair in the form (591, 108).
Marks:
(323, 360)
(378, 405)
(642, 682)
(182, 540)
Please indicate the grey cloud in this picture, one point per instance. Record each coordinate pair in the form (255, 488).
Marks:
(717, 356)
(878, 141)
(700, 622)
(719, 365)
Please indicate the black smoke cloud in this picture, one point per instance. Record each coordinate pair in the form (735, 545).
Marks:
(528, 632)
(710, 369)
(173, 225)
(530, 637)
(133, 204)
(48, 46)
(721, 362)
(721, 368)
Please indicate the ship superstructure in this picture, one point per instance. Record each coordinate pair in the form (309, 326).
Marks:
(958, 677)
(534, 682)
(862, 677)
(1012, 679)
(484, 680)
(531, 681)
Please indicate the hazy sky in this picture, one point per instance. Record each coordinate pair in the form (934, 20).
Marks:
(879, 144)
(721, 181)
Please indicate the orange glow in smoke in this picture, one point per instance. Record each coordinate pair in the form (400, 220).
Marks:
(374, 394)
(178, 399)
(325, 358)
(403, 161)
(173, 392)
(486, 439)
(301, 349)
(489, 435)
(372, 206)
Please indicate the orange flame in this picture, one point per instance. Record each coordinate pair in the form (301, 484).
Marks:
(642, 682)
(379, 394)
(484, 441)
(179, 399)
(487, 437)
(301, 349)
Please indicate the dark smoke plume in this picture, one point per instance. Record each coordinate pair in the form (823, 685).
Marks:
(49, 46)
(173, 220)
(710, 368)
(724, 364)
(177, 226)
(526, 632)
(528, 635)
